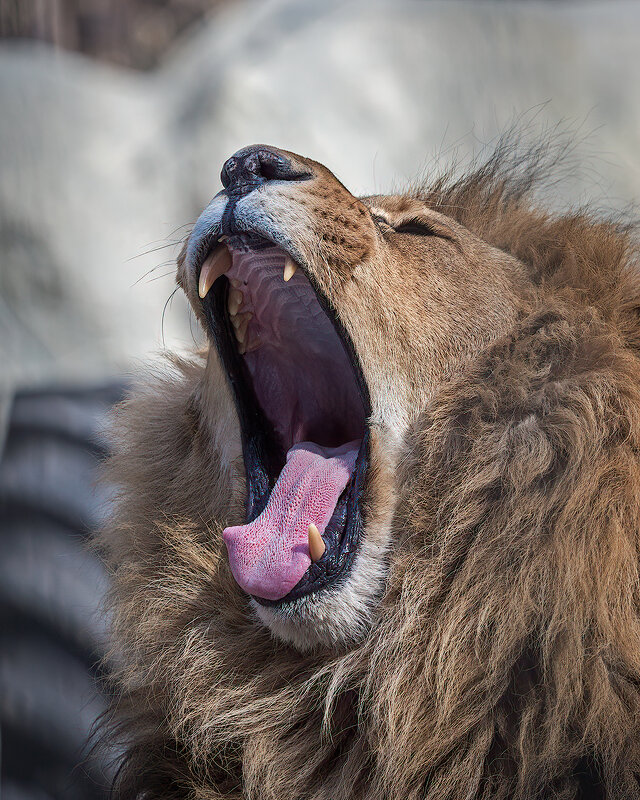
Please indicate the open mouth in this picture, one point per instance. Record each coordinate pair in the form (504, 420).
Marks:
(302, 403)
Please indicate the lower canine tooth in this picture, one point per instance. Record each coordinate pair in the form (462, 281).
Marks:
(290, 268)
(316, 543)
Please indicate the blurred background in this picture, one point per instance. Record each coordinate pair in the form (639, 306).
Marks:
(116, 116)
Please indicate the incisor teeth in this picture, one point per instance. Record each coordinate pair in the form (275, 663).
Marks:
(215, 265)
(249, 347)
(235, 300)
(316, 543)
(240, 323)
(290, 268)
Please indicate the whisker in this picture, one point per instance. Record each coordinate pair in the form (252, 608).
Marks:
(160, 277)
(164, 311)
(155, 249)
(169, 241)
(153, 269)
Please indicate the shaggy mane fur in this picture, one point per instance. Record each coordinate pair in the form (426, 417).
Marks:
(505, 662)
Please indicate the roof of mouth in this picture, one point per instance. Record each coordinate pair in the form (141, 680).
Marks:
(301, 373)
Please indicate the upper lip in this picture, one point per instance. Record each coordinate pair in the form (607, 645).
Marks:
(215, 222)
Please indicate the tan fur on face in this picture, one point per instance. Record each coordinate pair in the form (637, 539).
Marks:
(497, 651)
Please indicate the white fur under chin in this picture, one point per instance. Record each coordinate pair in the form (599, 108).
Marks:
(334, 616)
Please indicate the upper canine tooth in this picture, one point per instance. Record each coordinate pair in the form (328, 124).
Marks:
(235, 300)
(290, 268)
(316, 543)
(215, 265)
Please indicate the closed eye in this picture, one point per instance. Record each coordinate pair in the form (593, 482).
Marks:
(421, 227)
(383, 222)
(414, 226)
(418, 227)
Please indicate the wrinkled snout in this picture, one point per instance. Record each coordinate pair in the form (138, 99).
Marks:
(271, 197)
(256, 165)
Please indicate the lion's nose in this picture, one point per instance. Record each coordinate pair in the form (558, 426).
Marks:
(252, 166)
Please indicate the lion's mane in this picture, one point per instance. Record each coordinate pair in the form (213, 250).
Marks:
(506, 660)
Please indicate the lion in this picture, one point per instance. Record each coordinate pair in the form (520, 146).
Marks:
(379, 539)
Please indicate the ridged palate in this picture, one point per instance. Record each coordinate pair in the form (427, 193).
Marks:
(300, 371)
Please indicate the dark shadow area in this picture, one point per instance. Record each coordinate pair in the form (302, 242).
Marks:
(52, 624)
(131, 33)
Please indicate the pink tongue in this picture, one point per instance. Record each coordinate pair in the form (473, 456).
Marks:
(270, 555)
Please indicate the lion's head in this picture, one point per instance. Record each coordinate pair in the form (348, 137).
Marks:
(335, 319)
(380, 540)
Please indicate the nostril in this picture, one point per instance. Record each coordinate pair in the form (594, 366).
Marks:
(252, 166)
(276, 167)
(229, 170)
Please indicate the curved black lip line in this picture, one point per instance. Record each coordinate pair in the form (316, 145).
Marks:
(259, 440)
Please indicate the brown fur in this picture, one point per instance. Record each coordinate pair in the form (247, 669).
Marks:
(503, 659)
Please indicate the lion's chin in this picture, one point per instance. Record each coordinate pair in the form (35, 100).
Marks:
(337, 617)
